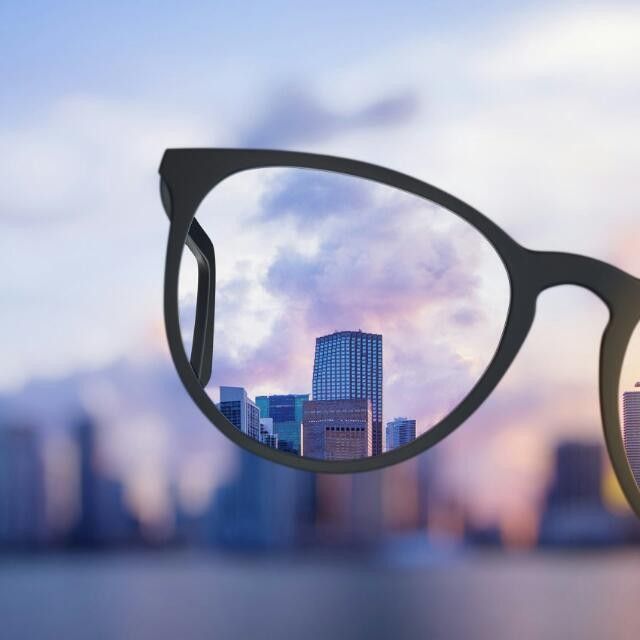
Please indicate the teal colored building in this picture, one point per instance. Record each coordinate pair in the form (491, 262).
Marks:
(286, 413)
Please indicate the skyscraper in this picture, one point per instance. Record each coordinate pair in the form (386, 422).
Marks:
(286, 412)
(240, 410)
(337, 429)
(400, 431)
(348, 366)
(631, 422)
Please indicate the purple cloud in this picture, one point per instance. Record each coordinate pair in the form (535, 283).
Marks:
(310, 196)
(355, 280)
(382, 262)
(295, 116)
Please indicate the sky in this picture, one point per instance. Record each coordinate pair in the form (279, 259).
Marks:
(528, 112)
(302, 253)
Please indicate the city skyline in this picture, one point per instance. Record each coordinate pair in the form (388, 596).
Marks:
(550, 185)
(267, 506)
(335, 352)
(344, 415)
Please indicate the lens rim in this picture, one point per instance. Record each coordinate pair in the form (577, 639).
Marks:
(188, 175)
(615, 344)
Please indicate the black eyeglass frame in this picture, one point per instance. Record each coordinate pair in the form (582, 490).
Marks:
(188, 175)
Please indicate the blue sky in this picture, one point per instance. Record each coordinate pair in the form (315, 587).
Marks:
(101, 45)
(301, 254)
(529, 112)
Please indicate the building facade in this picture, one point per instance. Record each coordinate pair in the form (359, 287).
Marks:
(400, 431)
(337, 429)
(631, 427)
(348, 366)
(286, 413)
(240, 410)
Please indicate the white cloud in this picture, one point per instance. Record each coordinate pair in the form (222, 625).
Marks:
(592, 44)
(524, 120)
(534, 121)
(83, 231)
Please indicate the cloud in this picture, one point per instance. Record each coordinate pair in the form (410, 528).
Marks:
(382, 255)
(295, 116)
(310, 196)
(362, 256)
(83, 231)
(533, 119)
(594, 42)
(84, 154)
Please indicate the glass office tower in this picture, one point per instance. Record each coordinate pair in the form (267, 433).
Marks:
(348, 366)
(240, 410)
(400, 431)
(286, 413)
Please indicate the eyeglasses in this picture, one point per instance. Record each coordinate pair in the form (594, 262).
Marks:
(369, 312)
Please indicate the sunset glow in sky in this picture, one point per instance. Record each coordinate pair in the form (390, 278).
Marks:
(303, 253)
(530, 112)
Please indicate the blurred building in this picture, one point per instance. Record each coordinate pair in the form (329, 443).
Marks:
(263, 506)
(103, 518)
(22, 490)
(400, 431)
(349, 510)
(577, 474)
(631, 422)
(240, 410)
(574, 512)
(337, 429)
(286, 413)
(348, 366)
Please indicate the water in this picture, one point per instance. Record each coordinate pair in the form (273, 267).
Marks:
(182, 596)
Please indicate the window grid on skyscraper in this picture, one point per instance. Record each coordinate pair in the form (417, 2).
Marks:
(348, 365)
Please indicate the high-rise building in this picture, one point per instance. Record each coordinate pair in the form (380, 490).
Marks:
(400, 431)
(348, 366)
(337, 429)
(286, 413)
(240, 410)
(631, 422)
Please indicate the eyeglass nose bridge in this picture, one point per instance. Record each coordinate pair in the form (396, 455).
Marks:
(619, 290)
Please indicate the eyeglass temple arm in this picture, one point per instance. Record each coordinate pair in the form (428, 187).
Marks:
(202, 249)
(202, 346)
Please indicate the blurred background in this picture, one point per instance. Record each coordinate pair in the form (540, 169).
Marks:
(123, 512)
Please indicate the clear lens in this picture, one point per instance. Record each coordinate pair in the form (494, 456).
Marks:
(350, 317)
(630, 404)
